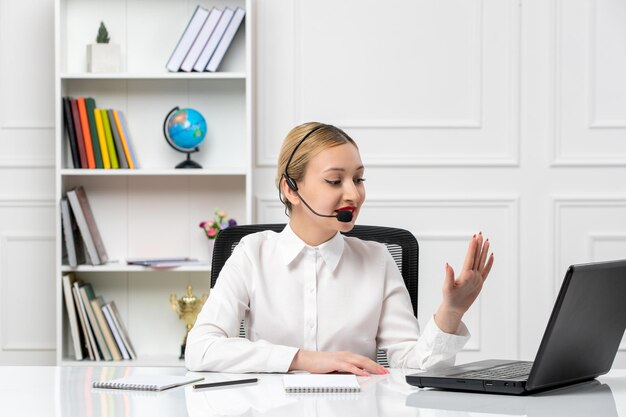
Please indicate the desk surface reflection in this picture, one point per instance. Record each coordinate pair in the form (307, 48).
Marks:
(67, 392)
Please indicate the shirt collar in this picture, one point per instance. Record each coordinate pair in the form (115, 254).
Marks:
(291, 245)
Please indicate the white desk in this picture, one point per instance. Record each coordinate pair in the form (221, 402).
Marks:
(66, 392)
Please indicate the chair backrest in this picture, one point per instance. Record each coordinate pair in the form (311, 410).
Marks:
(401, 244)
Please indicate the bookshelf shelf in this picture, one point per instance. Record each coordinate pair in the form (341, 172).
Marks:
(155, 210)
(156, 76)
(153, 172)
(133, 268)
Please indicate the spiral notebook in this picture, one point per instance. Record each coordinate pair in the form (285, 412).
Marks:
(147, 382)
(307, 383)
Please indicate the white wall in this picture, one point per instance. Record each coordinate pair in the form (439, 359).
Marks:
(504, 116)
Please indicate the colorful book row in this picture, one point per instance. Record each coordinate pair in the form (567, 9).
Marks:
(98, 138)
(205, 40)
(96, 327)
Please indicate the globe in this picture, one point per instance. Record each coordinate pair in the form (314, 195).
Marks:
(184, 130)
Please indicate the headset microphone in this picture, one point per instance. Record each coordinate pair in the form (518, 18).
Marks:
(344, 216)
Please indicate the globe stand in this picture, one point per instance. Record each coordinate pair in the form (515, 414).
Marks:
(188, 163)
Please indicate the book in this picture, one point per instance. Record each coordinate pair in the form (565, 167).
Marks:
(71, 135)
(201, 40)
(84, 124)
(226, 40)
(126, 134)
(106, 162)
(147, 382)
(120, 132)
(81, 221)
(70, 236)
(117, 318)
(214, 40)
(108, 315)
(155, 261)
(68, 280)
(90, 342)
(87, 225)
(96, 305)
(188, 37)
(109, 138)
(91, 223)
(90, 104)
(78, 130)
(86, 295)
(121, 157)
(316, 383)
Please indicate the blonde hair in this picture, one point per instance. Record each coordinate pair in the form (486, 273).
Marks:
(322, 137)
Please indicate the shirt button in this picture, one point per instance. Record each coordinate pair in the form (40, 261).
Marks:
(311, 325)
(311, 290)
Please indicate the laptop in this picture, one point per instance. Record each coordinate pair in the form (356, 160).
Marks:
(580, 342)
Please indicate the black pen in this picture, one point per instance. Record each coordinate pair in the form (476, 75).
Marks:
(223, 383)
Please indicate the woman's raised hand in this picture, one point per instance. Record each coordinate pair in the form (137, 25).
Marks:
(460, 292)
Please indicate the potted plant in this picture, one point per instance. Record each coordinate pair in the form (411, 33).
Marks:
(103, 56)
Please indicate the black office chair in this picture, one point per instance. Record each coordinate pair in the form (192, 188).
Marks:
(401, 244)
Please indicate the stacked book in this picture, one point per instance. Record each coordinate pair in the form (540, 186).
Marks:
(83, 243)
(205, 40)
(98, 138)
(96, 327)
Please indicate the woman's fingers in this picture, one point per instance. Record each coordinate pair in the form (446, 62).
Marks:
(365, 365)
(468, 263)
(487, 268)
(355, 370)
(483, 256)
(479, 245)
(369, 365)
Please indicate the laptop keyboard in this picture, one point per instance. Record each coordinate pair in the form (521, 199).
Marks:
(509, 371)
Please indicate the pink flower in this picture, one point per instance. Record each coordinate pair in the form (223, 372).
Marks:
(211, 232)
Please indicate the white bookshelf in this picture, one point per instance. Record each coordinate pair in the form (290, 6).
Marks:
(153, 211)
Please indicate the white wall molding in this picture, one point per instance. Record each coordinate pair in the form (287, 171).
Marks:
(6, 239)
(6, 202)
(559, 157)
(26, 163)
(560, 203)
(474, 122)
(594, 122)
(266, 155)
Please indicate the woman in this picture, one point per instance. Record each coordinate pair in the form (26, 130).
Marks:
(318, 301)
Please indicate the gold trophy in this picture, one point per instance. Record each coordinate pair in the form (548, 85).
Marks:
(188, 308)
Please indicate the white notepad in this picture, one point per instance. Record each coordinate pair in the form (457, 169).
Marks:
(312, 383)
(147, 382)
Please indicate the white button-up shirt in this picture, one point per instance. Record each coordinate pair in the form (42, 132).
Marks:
(346, 294)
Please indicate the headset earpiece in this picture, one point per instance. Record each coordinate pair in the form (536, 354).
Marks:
(291, 183)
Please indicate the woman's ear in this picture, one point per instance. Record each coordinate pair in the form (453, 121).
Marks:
(288, 193)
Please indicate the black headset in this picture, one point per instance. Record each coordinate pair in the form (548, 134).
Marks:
(291, 183)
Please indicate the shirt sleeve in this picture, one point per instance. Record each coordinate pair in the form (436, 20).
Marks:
(399, 333)
(213, 344)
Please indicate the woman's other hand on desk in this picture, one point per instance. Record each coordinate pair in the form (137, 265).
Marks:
(325, 362)
(460, 292)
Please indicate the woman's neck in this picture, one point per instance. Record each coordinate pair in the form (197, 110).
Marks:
(311, 235)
